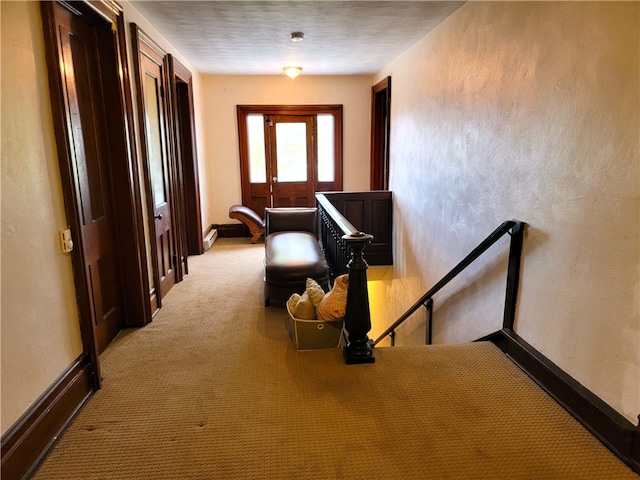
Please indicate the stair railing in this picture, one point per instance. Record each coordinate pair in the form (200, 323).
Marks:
(515, 229)
(333, 227)
(343, 247)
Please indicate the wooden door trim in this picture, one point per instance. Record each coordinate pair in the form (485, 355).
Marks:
(119, 119)
(144, 45)
(187, 167)
(178, 220)
(242, 111)
(380, 134)
(28, 440)
(134, 253)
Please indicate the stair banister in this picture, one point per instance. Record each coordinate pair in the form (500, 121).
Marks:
(357, 319)
(350, 243)
(512, 276)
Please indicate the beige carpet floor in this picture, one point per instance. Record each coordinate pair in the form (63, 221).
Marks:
(214, 389)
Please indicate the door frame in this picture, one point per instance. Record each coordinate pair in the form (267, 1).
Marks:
(127, 205)
(242, 111)
(142, 44)
(380, 134)
(188, 182)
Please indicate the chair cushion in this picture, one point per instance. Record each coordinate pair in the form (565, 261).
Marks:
(291, 257)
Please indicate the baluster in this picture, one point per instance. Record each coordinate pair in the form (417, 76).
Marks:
(429, 306)
(357, 320)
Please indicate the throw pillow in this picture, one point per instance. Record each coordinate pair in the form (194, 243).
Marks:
(292, 302)
(304, 308)
(315, 292)
(334, 304)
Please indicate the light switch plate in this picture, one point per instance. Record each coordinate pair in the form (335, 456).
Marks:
(66, 244)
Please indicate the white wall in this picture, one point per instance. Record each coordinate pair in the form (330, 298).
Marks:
(40, 330)
(526, 110)
(223, 93)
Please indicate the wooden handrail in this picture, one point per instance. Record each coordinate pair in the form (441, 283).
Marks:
(343, 224)
(333, 227)
(340, 242)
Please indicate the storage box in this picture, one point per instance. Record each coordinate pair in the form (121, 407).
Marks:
(314, 334)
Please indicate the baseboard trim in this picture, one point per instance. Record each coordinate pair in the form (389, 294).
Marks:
(30, 438)
(612, 429)
(229, 230)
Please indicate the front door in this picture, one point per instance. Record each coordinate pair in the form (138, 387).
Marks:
(287, 153)
(152, 72)
(92, 175)
(291, 163)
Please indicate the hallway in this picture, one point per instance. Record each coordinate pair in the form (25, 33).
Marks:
(214, 389)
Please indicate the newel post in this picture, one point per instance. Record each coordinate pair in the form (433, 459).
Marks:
(357, 321)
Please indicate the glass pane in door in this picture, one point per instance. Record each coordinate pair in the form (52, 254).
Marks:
(291, 152)
(325, 148)
(257, 162)
(154, 139)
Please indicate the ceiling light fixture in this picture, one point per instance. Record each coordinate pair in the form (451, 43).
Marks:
(297, 36)
(292, 72)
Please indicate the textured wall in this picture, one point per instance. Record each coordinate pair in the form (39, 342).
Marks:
(40, 333)
(525, 110)
(40, 328)
(221, 94)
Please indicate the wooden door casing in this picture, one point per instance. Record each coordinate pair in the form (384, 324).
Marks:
(156, 150)
(380, 134)
(187, 186)
(105, 20)
(257, 196)
(79, 57)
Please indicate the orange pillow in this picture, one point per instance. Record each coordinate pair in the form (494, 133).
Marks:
(333, 305)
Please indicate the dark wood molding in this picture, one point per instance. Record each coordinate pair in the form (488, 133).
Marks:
(380, 134)
(184, 136)
(26, 443)
(142, 44)
(242, 111)
(70, 195)
(110, 26)
(129, 199)
(612, 429)
(370, 212)
(230, 230)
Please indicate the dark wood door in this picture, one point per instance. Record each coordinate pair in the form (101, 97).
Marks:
(291, 164)
(380, 131)
(157, 154)
(288, 152)
(90, 162)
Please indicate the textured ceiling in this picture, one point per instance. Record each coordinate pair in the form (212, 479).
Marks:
(253, 37)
